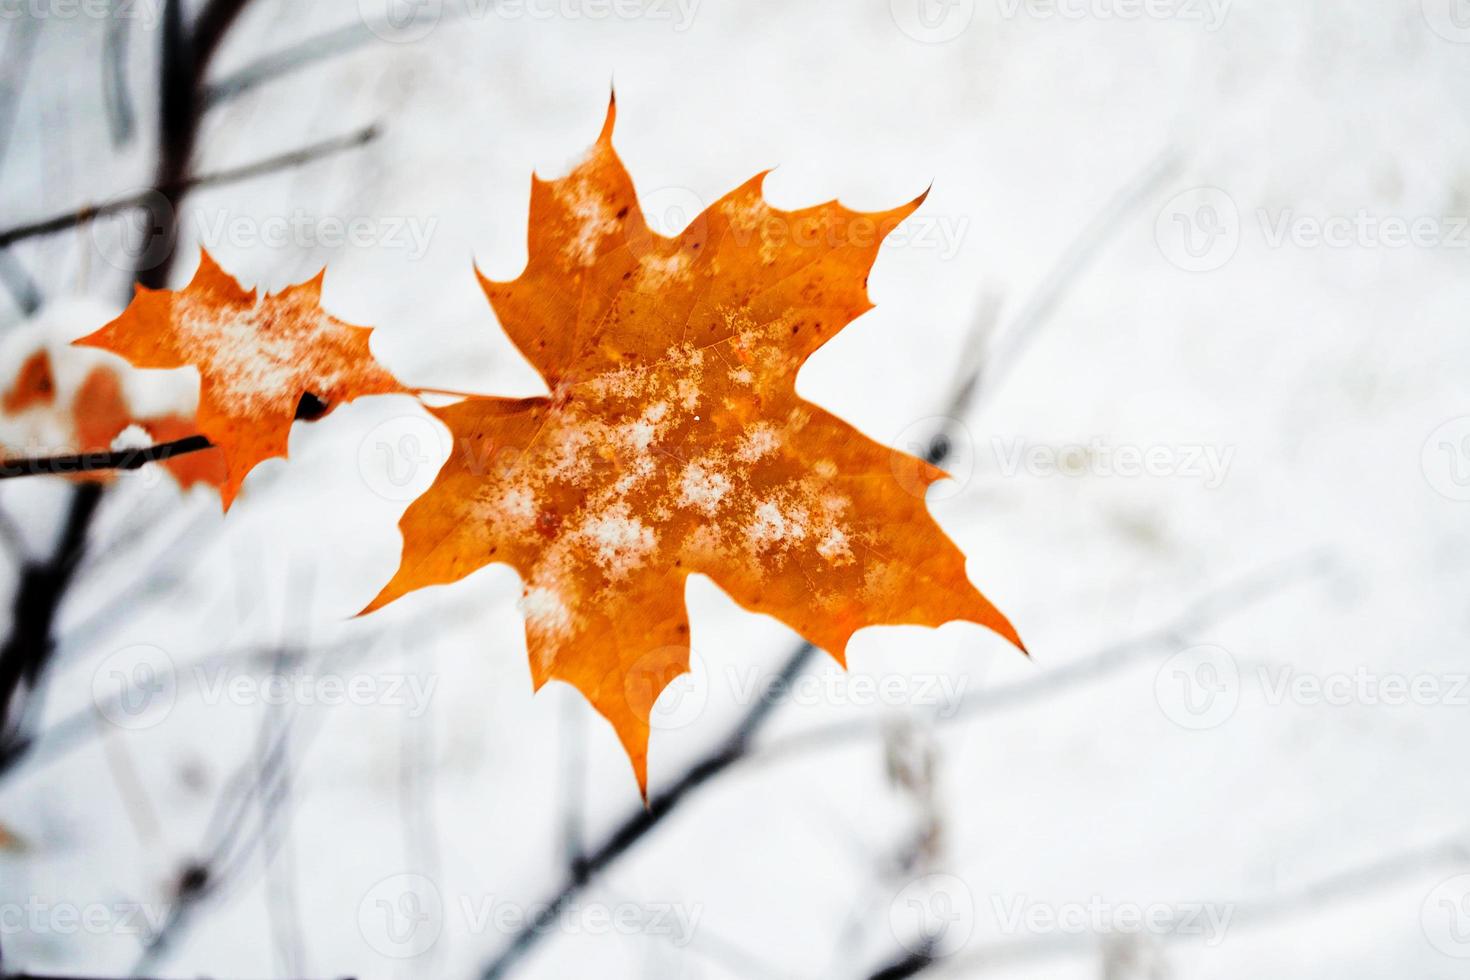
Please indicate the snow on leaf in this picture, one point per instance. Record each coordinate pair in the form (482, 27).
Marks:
(257, 358)
(673, 442)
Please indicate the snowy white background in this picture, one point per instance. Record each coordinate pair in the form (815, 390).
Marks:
(1330, 380)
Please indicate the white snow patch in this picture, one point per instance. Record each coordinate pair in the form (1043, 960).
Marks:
(773, 525)
(133, 437)
(702, 489)
(834, 546)
(545, 612)
(594, 218)
(757, 443)
(620, 542)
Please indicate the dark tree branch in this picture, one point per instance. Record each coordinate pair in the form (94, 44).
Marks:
(37, 599)
(660, 805)
(906, 966)
(186, 55)
(121, 459)
(1228, 600)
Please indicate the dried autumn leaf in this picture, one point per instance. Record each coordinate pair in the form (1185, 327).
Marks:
(673, 442)
(257, 358)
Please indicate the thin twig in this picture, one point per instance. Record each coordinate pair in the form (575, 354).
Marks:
(20, 49)
(1311, 898)
(269, 165)
(1228, 600)
(1068, 270)
(22, 285)
(315, 49)
(121, 119)
(37, 598)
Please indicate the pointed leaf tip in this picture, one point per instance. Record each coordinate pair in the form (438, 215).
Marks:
(607, 124)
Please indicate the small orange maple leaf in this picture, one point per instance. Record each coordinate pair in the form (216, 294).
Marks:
(257, 358)
(673, 442)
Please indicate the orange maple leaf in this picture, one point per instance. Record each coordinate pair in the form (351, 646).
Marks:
(257, 358)
(673, 442)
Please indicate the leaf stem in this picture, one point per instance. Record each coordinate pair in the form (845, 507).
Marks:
(448, 393)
